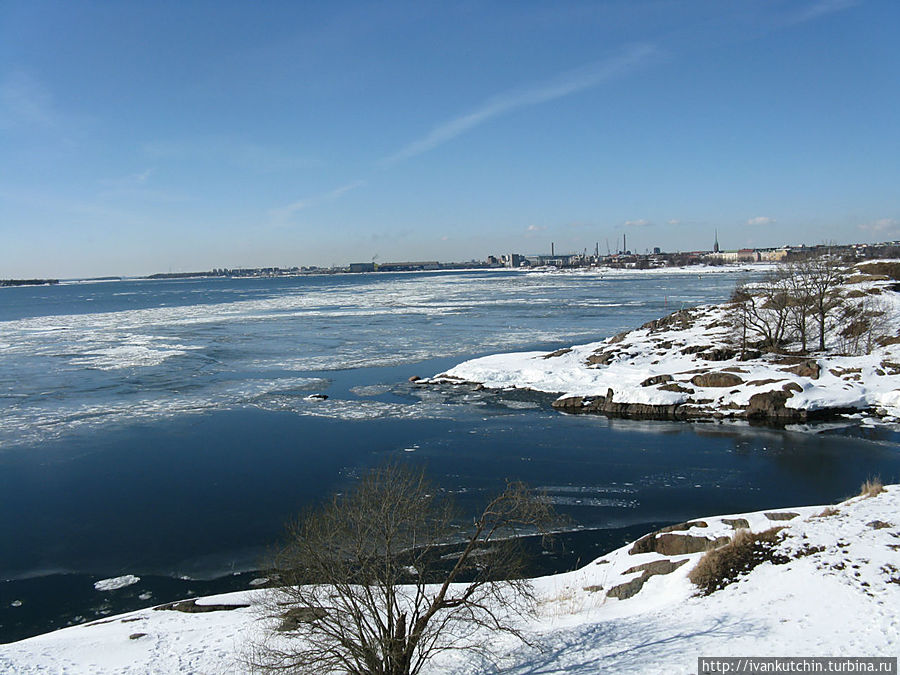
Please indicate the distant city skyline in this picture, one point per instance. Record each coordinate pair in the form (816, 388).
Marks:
(138, 138)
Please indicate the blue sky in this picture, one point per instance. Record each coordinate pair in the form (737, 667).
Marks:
(141, 137)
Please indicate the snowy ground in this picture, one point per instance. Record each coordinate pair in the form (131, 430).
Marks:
(692, 343)
(837, 594)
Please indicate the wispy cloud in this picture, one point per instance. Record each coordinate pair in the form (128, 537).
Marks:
(673, 221)
(237, 153)
(761, 220)
(640, 222)
(131, 180)
(284, 213)
(25, 101)
(881, 226)
(820, 8)
(566, 84)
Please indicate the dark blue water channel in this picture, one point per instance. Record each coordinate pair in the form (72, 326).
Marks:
(163, 429)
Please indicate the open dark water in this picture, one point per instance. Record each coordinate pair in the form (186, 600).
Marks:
(162, 428)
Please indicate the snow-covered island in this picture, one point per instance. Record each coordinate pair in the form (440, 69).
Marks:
(822, 581)
(757, 357)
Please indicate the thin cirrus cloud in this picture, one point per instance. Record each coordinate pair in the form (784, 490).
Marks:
(640, 222)
(25, 101)
(566, 84)
(285, 212)
(563, 85)
(242, 154)
(881, 226)
(761, 220)
(821, 8)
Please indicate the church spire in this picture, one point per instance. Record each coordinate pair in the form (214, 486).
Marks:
(716, 245)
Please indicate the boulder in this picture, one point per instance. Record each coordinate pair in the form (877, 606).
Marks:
(569, 404)
(558, 352)
(716, 379)
(626, 590)
(674, 386)
(781, 515)
(737, 523)
(295, 616)
(656, 379)
(681, 319)
(808, 368)
(601, 358)
(667, 542)
(650, 569)
(718, 354)
(654, 567)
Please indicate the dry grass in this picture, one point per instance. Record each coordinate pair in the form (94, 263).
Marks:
(871, 488)
(724, 565)
(826, 513)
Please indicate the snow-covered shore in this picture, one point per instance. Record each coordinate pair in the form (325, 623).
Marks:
(686, 365)
(832, 589)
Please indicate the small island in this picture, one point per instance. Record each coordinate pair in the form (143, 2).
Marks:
(28, 282)
(812, 340)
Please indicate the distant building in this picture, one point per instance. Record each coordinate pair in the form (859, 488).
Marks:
(362, 267)
(409, 266)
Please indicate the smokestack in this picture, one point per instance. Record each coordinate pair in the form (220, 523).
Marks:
(624, 245)
(551, 250)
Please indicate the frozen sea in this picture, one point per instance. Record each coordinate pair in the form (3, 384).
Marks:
(164, 428)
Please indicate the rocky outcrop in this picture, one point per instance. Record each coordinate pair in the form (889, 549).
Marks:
(668, 541)
(681, 319)
(770, 405)
(558, 352)
(191, 607)
(605, 405)
(650, 569)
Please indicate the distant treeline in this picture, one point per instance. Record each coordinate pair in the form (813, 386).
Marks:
(28, 282)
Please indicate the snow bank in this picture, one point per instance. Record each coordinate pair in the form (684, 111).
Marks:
(836, 592)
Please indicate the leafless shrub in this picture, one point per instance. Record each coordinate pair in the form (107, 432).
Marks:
(864, 321)
(723, 565)
(370, 586)
(871, 488)
(827, 512)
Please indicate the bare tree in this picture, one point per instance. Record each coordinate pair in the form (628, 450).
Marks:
(738, 316)
(802, 302)
(763, 311)
(368, 584)
(820, 277)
